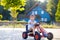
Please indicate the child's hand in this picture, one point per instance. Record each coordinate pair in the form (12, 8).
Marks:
(32, 23)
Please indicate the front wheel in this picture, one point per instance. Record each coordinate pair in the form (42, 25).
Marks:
(37, 36)
(24, 35)
(50, 36)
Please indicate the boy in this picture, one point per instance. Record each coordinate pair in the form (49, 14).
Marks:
(31, 23)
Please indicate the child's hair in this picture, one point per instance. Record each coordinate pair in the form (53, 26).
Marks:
(32, 15)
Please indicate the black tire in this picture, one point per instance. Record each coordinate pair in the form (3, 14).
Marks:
(24, 35)
(50, 36)
(37, 36)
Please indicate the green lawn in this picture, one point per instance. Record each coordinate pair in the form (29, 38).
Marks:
(22, 24)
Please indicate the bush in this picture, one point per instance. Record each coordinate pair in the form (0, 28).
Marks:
(1, 16)
(49, 26)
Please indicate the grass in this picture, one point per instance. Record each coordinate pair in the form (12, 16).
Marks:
(49, 26)
(22, 24)
(12, 26)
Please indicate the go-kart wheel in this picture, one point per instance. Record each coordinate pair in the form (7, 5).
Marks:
(25, 35)
(50, 36)
(37, 36)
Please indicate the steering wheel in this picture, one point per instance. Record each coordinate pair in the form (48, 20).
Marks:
(37, 24)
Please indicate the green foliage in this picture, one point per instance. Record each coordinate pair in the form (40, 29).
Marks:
(58, 12)
(52, 6)
(1, 16)
(29, 4)
(49, 26)
(14, 5)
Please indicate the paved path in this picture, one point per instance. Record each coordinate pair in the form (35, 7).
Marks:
(16, 34)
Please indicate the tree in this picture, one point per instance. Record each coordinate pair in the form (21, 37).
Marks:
(1, 16)
(43, 5)
(58, 12)
(13, 5)
(51, 8)
(0, 1)
(29, 4)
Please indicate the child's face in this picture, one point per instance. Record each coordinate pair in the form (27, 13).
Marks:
(32, 17)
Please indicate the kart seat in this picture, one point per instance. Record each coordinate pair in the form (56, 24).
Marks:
(27, 29)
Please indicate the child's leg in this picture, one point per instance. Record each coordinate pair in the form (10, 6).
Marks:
(38, 29)
(34, 31)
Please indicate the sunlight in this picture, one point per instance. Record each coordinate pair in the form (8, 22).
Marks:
(41, 0)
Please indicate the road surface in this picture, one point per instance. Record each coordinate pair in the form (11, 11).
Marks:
(16, 34)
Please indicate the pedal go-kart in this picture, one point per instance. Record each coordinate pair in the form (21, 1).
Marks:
(37, 35)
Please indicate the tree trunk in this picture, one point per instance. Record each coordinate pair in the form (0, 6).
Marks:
(14, 15)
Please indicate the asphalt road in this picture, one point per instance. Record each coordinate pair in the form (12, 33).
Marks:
(16, 34)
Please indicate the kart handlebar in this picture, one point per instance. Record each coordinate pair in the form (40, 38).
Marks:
(37, 24)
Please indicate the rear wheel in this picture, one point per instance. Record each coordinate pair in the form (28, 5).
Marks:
(50, 36)
(24, 35)
(37, 36)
